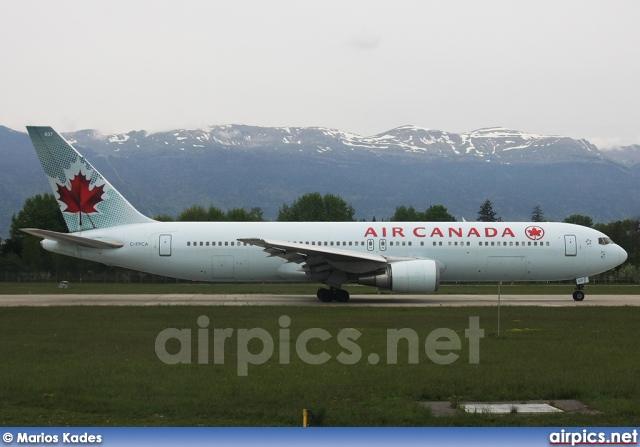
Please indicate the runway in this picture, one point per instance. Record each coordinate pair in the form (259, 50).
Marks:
(67, 299)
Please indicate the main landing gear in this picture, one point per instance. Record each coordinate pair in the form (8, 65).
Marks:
(328, 295)
(578, 295)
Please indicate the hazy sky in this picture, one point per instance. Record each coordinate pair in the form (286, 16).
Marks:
(549, 67)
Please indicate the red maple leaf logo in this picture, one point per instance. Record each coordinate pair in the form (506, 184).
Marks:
(535, 233)
(80, 199)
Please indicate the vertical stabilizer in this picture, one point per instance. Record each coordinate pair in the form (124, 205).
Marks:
(87, 200)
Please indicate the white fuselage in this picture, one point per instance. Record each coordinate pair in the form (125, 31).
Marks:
(465, 251)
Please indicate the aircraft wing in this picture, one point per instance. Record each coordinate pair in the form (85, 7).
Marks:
(72, 238)
(319, 258)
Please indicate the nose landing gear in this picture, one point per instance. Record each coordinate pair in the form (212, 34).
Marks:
(578, 295)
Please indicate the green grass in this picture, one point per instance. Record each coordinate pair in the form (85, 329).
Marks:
(26, 288)
(88, 366)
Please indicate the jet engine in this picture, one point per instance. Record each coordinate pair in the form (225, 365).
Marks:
(418, 276)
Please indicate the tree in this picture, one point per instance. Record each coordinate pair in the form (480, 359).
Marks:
(40, 211)
(163, 218)
(404, 214)
(435, 213)
(256, 211)
(438, 213)
(198, 213)
(579, 219)
(313, 207)
(195, 213)
(242, 215)
(486, 213)
(536, 214)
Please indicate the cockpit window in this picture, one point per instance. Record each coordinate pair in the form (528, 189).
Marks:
(604, 241)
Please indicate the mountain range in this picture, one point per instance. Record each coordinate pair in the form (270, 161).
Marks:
(233, 166)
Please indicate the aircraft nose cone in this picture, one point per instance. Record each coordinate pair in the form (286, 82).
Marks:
(622, 255)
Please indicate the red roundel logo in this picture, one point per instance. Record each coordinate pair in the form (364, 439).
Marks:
(534, 233)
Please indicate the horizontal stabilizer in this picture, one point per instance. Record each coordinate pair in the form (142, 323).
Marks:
(72, 239)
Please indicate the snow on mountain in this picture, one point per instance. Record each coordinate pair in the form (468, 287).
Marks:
(495, 144)
(626, 155)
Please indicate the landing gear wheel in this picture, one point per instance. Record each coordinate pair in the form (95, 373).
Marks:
(578, 295)
(342, 295)
(328, 295)
(325, 295)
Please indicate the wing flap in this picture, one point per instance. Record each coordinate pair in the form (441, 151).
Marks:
(72, 239)
(317, 258)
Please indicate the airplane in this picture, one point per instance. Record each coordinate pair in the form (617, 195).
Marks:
(402, 257)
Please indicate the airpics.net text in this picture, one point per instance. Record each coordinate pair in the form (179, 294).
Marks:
(256, 346)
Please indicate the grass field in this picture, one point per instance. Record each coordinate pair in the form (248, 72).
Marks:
(12, 288)
(97, 366)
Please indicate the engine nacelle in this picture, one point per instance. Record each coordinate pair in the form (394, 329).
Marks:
(419, 276)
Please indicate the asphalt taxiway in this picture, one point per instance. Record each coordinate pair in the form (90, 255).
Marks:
(68, 299)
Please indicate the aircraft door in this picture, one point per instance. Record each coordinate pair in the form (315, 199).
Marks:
(165, 245)
(370, 244)
(222, 267)
(383, 244)
(506, 268)
(570, 245)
